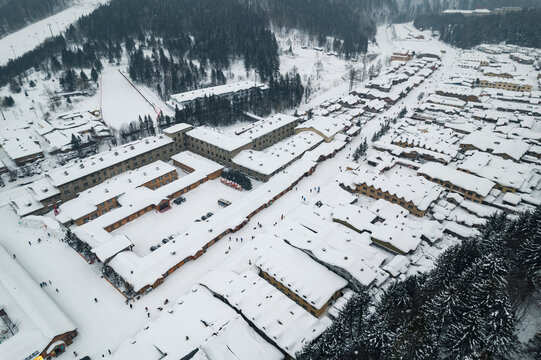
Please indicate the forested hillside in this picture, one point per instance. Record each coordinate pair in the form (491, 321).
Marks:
(180, 45)
(518, 28)
(15, 14)
(467, 307)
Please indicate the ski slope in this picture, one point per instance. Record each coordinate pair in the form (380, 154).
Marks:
(26, 39)
(120, 102)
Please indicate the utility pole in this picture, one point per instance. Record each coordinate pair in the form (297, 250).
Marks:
(51, 29)
(12, 49)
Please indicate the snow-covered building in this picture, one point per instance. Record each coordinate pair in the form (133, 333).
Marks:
(262, 165)
(197, 326)
(100, 199)
(508, 175)
(41, 329)
(326, 127)
(472, 187)
(21, 146)
(85, 173)
(487, 141)
(223, 147)
(228, 91)
(303, 280)
(283, 321)
(413, 193)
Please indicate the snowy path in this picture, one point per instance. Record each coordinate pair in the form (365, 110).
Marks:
(26, 39)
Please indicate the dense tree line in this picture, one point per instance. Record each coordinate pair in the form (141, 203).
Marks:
(519, 28)
(211, 31)
(141, 128)
(322, 18)
(16, 14)
(238, 177)
(31, 59)
(467, 307)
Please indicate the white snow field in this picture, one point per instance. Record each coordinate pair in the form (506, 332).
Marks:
(120, 102)
(26, 39)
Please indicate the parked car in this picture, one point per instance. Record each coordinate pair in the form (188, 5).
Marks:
(165, 241)
(153, 248)
(209, 214)
(204, 217)
(178, 201)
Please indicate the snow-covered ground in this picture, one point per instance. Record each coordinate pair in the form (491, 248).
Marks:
(120, 102)
(27, 38)
(152, 227)
(106, 324)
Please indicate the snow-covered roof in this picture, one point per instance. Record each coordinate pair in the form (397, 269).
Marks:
(43, 189)
(176, 128)
(197, 162)
(198, 322)
(303, 276)
(335, 245)
(111, 248)
(487, 140)
(218, 139)
(103, 160)
(277, 316)
(265, 126)
(458, 178)
(398, 265)
(19, 143)
(397, 234)
(38, 317)
(387, 210)
(502, 171)
(87, 201)
(327, 126)
(274, 158)
(216, 91)
(411, 188)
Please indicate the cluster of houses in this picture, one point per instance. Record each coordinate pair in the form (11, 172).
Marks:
(466, 152)
(478, 144)
(24, 146)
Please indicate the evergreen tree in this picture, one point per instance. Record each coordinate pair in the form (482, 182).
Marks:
(94, 74)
